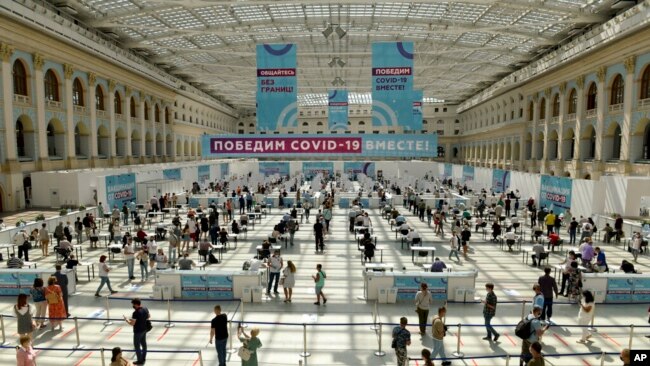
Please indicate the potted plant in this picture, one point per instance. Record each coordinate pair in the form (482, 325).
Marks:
(20, 223)
(82, 207)
(40, 217)
(63, 212)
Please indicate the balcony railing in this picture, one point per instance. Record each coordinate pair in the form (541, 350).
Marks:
(571, 117)
(591, 113)
(101, 113)
(79, 109)
(52, 103)
(22, 99)
(644, 103)
(555, 119)
(615, 107)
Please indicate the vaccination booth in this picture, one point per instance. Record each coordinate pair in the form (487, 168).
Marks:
(444, 286)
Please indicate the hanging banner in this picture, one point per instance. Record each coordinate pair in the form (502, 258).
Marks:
(337, 109)
(120, 189)
(352, 168)
(619, 290)
(194, 286)
(172, 174)
(274, 167)
(448, 169)
(351, 145)
(407, 287)
(416, 123)
(277, 87)
(500, 180)
(555, 193)
(312, 168)
(392, 84)
(468, 173)
(224, 169)
(204, 173)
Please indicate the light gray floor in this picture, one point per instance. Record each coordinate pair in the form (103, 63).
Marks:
(331, 339)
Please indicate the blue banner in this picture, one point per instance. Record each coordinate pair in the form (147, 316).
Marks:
(337, 109)
(392, 84)
(194, 286)
(555, 193)
(468, 173)
(224, 169)
(220, 287)
(277, 87)
(500, 180)
(274, 167)
(416, 123)
(641, 290)
(407, 287)
(321, 146)
(120, 189)
(9, 284)
(312, 168)
(448, 170)
(619, 290)
(352, 168)
(172, 174)
(203, 173)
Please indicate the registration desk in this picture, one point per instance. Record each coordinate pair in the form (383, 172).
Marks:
(345, 200)
(19, 281)
(618, 287)
(197, 284)
(442, 285)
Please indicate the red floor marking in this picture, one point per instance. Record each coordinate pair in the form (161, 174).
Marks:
(195, 362)
(474, 362)
(560, 339)
(114, 333)
(83, 359)
(509, 338)
(610, 339)
(66, 333)
(586, 363)
(455, 336)
(162, 335)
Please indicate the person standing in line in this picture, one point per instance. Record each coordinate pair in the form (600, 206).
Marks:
(143, 260)
(536, 352)
(252, 343)
(438, 331)
(138, 321)
(37, 292)
(319, 279)
(25, 354)
(103, 276)
(275, 267)
(23, 313)
(586, 313)
(327, 216)
(423, 301)
(548, 286)
(55, 307)
(129, 256)
(454, 244)
(489, 310)
(318, 234)
(401, 339)
(292, 226)
(426, 357)
(44, 238)
(536, 332)
(219, 332)
(62, 280)
(288, 280)
(117, 359)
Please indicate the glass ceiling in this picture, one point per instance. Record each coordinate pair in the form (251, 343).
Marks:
(461, 46)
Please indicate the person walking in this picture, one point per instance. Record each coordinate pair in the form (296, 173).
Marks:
(44, 238)
(37, 292)
(288, 280)
(318, 234)
(275, 267)
(104, 269)
(62, 281)
(138, 321)
(219, 332)
(129, 256)
(438, 331)
(586, 314)
(489, 310)
(319, 279)
(454, 244)
(55, 306)
(401, 339)
(23, 313)
(423, 301)
(536, 332)
(252, 343)
(25, 354)
(548, 287)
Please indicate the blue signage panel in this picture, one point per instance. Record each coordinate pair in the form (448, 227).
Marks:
(321, 146)
(120, 189)
(9, 284)
(500, 180)
(337, 109)
(274, 167)
(392, 84)
(641, 290)
(172, 174)
(407, 287)
(277, 86)
(194, 286)
(619, 290)
(468, 173)
(416, 123)
(203, 173)
(448, 170)
(352, 168)
(26, 281)
(224, 169)
(312, 168)
(220, 287)
(555, 193)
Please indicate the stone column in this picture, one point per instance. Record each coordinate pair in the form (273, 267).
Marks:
(152, 117)
(127, 118)
(92, 146)
(547, 119)
(533, 140)
(143, 150)
(580, 115)
(7, 104)
(163, 121)
(112, 153)
(600, 113)
(560, 132)
(39, 99)
(628, 103)
(68, 70)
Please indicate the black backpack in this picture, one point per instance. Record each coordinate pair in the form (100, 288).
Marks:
(212, 259)
(524, 329)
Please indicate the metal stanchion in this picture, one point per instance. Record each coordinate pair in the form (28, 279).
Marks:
(241, 306)
(101, 352)
(602, 359)
(200, 358)
(2, 325)
(591, 326)
(374, 318)
(631, 336)
(230, 349)
(108, 314)
(458, 353)
(523, 309)
(304, 342)
(507, 359)
(379, 352)
(76, 332)
(169, 315)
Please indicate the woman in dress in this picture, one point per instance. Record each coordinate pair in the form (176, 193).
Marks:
(575, 281)
(288, 280)
(585, 315)
(55, 306)
(23, 313)
(252, 343)
(25, 355)
(37, 292)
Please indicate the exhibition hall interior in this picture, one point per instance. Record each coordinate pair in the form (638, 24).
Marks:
(244, 182)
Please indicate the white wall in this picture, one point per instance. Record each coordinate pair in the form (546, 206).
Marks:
(636, 188)
(584, 197)
(528, 185)
(615, 191)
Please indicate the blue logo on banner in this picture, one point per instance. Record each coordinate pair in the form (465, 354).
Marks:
(500, 180)
(555, 193)
(172, 174)
(277, 85)
(356, 167)
(224, 169)
(416, 123)
(120, 189)
(312, 168)
(337, 109)
(392, 84)
(468, 173)
(204, 173)
(271, 167)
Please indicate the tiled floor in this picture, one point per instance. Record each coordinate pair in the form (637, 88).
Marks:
(338, 333)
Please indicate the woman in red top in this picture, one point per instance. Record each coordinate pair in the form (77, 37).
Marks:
(55, 306)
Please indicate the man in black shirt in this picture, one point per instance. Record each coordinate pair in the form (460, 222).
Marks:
(219, 331)
(318, 233)
(139, 323)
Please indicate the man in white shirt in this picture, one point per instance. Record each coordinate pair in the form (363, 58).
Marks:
(275, 267)
(404, 229)
(412, 235)
(538, 253)
(129, 256)
(510, 239)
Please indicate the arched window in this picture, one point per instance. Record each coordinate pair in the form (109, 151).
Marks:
(118, 103)
(77, 140)
(618, 90)
(645, 84)
(77, 93)
(573, 101)
(146, 111)
(592, 97)
(20, 78)
(531, 111)
(616, 149)
(132, 107)
(99, 99)
(556, 105)
(542, 108)
(646, 142)
(157, 115)
(20, 139)
(51, 85)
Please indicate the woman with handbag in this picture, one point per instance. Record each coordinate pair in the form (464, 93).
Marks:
(55, 306)
(251, 344)
(23, 313)
(37, 292)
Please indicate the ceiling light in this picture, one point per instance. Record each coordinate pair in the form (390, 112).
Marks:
(340, 32)
(328, 31)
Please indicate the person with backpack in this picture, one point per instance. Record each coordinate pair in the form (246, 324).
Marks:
(401, 339)
(141, 325)
(529, 329)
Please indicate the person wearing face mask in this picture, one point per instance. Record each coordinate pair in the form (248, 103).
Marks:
(537, 330)
(625, 356)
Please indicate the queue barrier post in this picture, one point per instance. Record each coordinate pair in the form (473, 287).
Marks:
(230, 349)
(631, 336)
(523, 309)
(304, 342)
(241, 306)
(602, 359)
(2, 325)
(76, 332)
(101, 352)
(380, 353)
(200, 358)
(108, 313)
(169, 315)
(458, 353)
(591, 325)
(507, 359)
(374, 317)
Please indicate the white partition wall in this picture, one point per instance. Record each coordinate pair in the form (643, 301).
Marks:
(528, 185)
